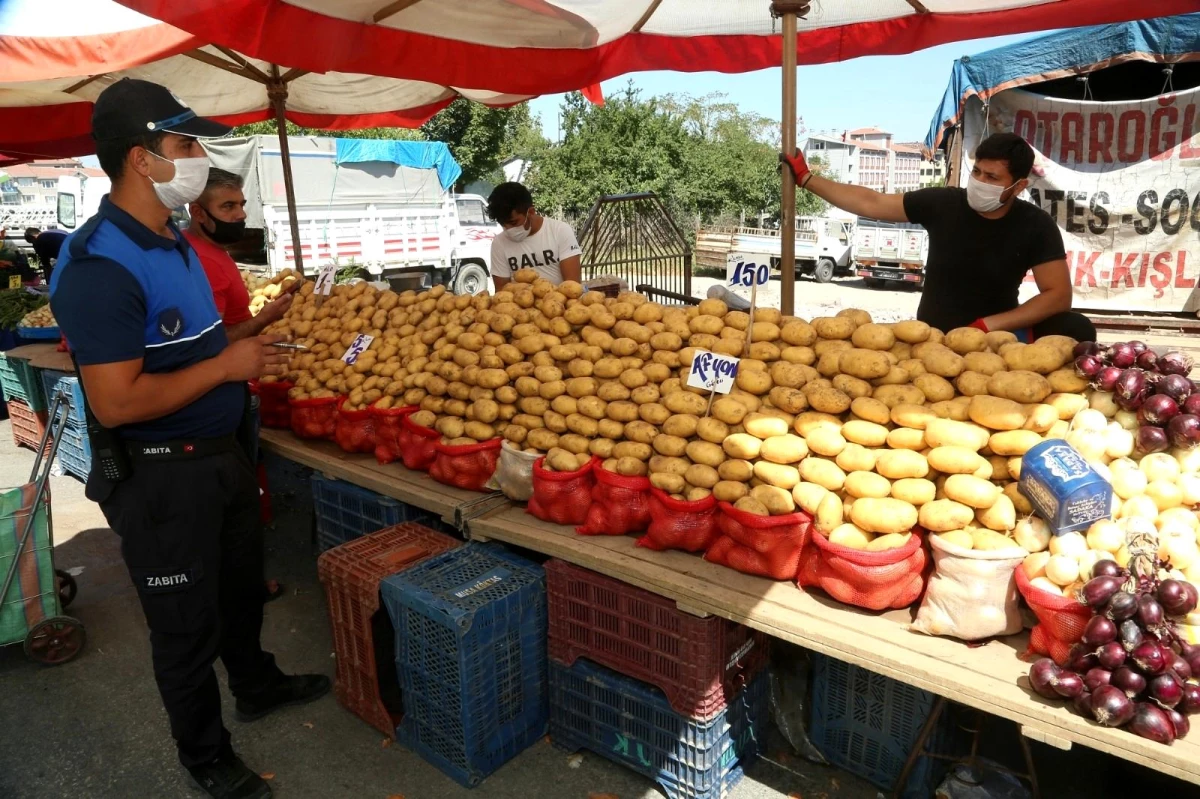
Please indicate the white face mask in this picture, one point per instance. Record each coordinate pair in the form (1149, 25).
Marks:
(191, 175)
(984, 197)
(519, 233)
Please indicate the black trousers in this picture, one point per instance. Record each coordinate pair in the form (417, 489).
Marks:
(1067, 323)
(192, 541)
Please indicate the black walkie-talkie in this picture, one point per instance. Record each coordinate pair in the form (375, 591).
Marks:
(108, 452)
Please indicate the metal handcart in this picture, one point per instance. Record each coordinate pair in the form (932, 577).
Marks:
(34, 593)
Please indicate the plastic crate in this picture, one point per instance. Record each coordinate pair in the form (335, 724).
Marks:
(345, 512)
(698, 663)
(363, 640)
(39, 333)
(471, 654)
(75, 451)
(867, 724)
(631, 723)
(28, 426)
(19, 381)
(52, 380)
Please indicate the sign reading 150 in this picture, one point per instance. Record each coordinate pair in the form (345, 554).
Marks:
(745, 273)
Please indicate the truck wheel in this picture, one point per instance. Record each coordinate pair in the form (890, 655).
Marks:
(823, 272)
(471, 279)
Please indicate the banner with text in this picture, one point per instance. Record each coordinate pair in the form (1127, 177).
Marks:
(1122, 179)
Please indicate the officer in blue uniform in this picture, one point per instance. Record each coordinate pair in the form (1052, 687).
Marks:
(166, 394)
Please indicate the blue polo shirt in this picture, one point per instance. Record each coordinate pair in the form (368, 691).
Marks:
(120, 292)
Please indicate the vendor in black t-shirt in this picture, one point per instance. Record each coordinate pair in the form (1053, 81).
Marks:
(982, 242)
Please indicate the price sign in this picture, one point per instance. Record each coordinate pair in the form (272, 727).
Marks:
(325, 279)
(358, 347)
(14, 281)
(712, 371)
(744, 272)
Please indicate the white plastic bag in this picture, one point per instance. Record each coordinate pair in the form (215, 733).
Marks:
(972, 593)
(514, 473)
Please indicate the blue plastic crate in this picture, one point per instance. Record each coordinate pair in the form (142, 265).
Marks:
(52, 381)
(632, 723)
(75, 451)
(19, 381)
(471, 657)
(345, 511)
(39, 333)
(867, 724)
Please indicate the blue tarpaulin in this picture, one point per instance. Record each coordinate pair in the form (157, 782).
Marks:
(414, 154)
(1071, 52)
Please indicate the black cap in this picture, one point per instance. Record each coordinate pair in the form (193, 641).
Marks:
(132, 107)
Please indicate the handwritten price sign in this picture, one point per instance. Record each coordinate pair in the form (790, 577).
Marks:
(325, 280)
(360, 345)
(743, 272)
(712, 371)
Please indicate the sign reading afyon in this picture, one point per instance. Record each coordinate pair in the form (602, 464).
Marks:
(712, 371)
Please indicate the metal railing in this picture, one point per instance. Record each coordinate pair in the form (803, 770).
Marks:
(633, 237)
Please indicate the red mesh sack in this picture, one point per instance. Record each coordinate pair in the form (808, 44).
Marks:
(767, 546)
(678, 524)
(354, 431)
(387, 431)
(417, 444)
(893, 578)
(467, 466)
(561, 497)
(273, 408)
(1060, 620)
(314, 418)
(620, 505)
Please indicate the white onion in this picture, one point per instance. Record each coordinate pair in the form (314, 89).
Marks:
(1128, 483)
(1090, 444)
(1189, 487)
(1086, 562)
(1032, 534)
(1126, 420)
(1188, 459)
(1139, 507)
(1103, 470)
(1180, 515)
(1118, 442)
(1165, 494)
(1044, 584)
(1105, 536)
(1062, 570)
(1193, 576)
(1071, 544)
(1123, 557)
(1159, 466)
(1035, 565)
(1179, 552)
(1114, 507)
(1089, 419)
(1102, 401)
(1059, 429)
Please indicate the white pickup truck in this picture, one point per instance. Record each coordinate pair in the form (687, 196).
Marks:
(823, 245)
(890, 251)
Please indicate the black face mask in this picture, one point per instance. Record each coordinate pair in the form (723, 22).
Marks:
(224, 232)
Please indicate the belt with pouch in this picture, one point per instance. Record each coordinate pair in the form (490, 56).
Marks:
(180, 449)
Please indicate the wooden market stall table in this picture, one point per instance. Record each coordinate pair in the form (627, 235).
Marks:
(991, 678)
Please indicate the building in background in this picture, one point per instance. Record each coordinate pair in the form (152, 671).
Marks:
(36, 183)
(868, 157)
(840, 157)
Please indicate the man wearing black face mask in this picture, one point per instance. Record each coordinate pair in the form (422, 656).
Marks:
(218, 220)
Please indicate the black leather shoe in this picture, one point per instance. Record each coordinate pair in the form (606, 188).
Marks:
(297, 689)
(228, 778)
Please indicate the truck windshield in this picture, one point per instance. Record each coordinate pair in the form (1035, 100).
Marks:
(470, 212)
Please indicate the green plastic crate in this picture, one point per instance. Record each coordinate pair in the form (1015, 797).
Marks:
(21, 381)
(33, 595)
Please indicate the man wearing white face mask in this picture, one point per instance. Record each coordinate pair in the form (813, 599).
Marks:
(529, 240)
(166, 396)
(982, 242)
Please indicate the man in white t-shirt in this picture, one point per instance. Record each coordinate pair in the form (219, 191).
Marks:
(530, 240)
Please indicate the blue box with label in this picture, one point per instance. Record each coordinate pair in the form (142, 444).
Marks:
(471, 657)
(1064, 490)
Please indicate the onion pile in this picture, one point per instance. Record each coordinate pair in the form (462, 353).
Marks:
(1154, 390)
(1131, 668)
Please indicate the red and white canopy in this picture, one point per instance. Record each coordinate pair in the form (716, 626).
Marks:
(544, 46)
(49, 78)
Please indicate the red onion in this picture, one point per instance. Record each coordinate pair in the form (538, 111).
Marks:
(1148, 657)
(1151, 439)
(1098, 590)
(1087, 348)
(1068, 684)
(1128, 681)
(1122, 356)
(1176, 387)
(1106, 379)
(1184, 430)
(1166, 690)
(1099, 630)
(1131, 389)
(1123, 604)
(1177, 665)
(1191, 405)
(1088, 366)
(1110, 706)
(1175, 363)
(1042, 675)
(1157, 410)
(1174, 598)
(1179, 722)
(1192, 657)
(1150, 613)
(1193, 596)
(1151, 722)
(1111, 655)
(1106, 568)
(1130, 635)
(1097, 677)
(1081, 659)
(1083, 704)
(1147, 360)
(1191, 698)
(1138, 347)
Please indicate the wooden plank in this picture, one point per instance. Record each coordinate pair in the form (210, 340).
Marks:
(391, 480)
(989, 677)
(30, 351)
(59, 361)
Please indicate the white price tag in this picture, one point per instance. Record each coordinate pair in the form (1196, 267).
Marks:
(325, 279)
(712, 371)
(743, 271)
(358, 347)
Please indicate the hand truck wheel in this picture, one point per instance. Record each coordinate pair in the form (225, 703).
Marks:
(67, 588)
(55, 640)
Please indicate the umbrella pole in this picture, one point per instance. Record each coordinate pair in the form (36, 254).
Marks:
(277, 92)
(787, 206)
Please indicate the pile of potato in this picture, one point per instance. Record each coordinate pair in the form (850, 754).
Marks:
(263, 289)
(872, 428)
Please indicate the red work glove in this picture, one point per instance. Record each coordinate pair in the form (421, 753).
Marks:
(979, 324)
(798, 165)
(1024, 334)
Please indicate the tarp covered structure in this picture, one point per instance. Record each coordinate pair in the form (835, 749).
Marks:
(413, 154)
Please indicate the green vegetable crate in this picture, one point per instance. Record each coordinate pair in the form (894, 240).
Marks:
(20, 381)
